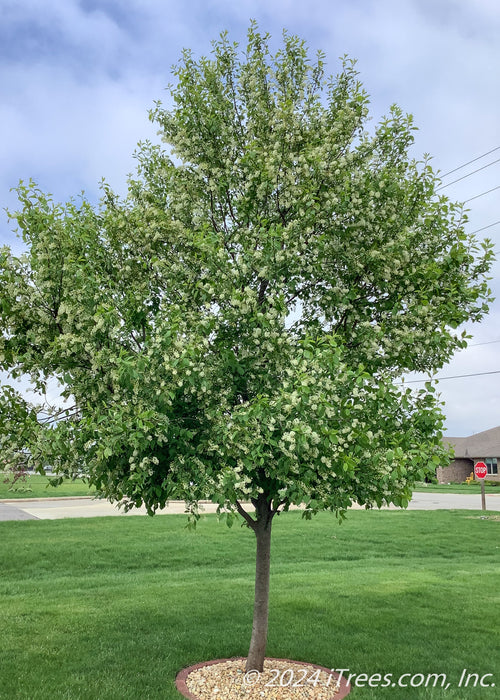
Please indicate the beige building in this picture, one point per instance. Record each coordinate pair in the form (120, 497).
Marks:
(481, 447)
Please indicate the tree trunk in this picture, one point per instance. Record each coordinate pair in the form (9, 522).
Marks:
(262, 529)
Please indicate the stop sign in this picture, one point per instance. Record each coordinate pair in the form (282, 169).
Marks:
(480, 470)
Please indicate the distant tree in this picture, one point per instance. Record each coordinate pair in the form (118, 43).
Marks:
(236, 328)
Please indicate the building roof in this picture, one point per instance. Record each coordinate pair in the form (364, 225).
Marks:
(480, 445)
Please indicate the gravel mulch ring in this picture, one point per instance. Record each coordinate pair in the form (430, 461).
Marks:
(225, 679)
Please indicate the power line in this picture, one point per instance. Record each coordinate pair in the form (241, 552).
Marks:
(457, 376)
(482, 194)
(484, 229)
(468, 174)
(470, 161)
(486, 342)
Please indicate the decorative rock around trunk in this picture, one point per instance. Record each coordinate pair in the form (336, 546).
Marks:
(226, 679)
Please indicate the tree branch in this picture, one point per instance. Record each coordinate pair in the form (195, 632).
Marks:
(212, 217)
(249, 520)
(262, 291)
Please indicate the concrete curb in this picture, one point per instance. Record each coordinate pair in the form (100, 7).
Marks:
(45, 498)
(77, 498)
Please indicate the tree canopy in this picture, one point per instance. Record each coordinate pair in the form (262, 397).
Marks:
(236, 327)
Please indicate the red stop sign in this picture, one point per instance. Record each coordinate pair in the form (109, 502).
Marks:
(480, 470)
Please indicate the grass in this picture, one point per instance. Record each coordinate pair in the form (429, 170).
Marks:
(38, 486)
(475, 487)
(113, 608)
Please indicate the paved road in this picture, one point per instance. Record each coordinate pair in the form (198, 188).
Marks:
(57, 508)
(9, 511)
(462, 501)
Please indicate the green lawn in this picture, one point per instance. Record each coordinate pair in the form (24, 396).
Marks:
(457, 488)
(112, 608)
(37, 486)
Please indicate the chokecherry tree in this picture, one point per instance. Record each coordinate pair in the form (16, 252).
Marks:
(237, 326)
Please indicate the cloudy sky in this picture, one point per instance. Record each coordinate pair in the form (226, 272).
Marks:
(77, 78)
